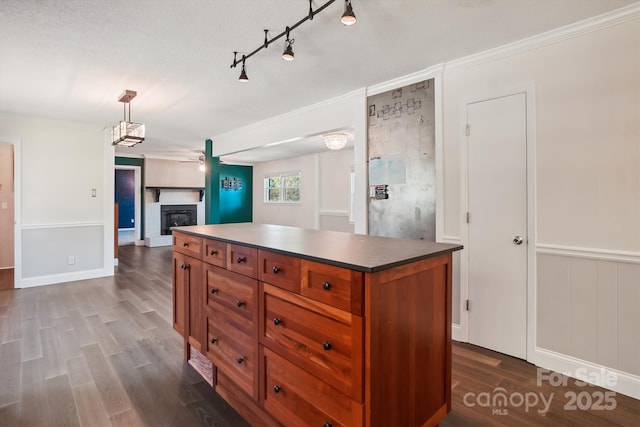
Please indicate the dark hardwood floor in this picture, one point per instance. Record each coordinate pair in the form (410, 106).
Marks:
(102, 352)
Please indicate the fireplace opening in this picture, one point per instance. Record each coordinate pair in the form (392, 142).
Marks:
(177, 216)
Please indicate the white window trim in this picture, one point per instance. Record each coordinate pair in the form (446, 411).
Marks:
(283, 174)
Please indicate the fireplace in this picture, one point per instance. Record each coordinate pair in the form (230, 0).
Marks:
(176, 216)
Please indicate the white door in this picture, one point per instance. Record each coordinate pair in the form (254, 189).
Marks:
(497, 240)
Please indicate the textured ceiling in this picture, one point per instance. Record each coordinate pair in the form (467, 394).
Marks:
(71, 59)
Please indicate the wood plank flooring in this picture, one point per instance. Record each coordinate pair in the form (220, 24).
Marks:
(102, 352)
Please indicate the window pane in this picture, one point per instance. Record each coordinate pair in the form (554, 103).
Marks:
(292, 181)
(292, 194)
(274, 182)
(274, 194)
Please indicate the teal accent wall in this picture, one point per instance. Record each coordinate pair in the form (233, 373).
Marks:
(131, 161)
(226, 205)
(236, 204)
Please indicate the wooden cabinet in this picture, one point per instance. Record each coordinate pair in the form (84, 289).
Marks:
(188, 291)
(299, 338)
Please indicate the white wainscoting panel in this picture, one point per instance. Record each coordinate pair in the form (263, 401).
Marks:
(588, 308)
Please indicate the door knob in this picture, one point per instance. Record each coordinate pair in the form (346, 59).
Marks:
(517, 240)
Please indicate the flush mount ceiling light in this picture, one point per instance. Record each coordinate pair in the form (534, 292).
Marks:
(335, 141)
(127, 133)
(348, 18)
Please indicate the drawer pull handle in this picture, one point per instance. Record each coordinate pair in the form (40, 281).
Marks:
(276, 389)
(240, 303)
(184, 267)
(214, 340)
(326, 345)
(327, 424)
(213, 252)
(213, 291)
(240, 360)
(241, 259)
(276, 321)
(326, 286)
(185, 244)
(275, 270)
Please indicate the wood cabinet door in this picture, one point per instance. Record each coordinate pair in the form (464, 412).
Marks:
(188, 298)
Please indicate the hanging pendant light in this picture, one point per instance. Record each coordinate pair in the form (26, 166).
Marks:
(127, 133)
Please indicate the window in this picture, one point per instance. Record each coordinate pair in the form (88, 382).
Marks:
(282, 188)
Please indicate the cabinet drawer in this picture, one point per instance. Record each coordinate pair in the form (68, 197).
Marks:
(242, 260)
(319, 338)
(187, 244)
(279, 270)
(231, 347)
(235, 292)
(336, 286)
(297, 398)
(215, 252)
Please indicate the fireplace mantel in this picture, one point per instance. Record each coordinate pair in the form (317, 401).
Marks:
(157, 190)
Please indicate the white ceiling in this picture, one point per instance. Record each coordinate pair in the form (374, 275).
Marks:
(71, 59)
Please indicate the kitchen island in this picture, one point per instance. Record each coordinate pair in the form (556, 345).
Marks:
(300, 327)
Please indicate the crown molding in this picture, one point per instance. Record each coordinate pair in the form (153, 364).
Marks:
(418, 76)
(589, 25)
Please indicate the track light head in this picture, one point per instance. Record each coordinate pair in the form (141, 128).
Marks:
(348, 17)
(243, 74)
(288, 54)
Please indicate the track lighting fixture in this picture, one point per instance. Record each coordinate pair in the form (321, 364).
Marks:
(288, 55)
(348, 18)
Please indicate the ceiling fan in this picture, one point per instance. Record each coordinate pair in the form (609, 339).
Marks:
(197, 158)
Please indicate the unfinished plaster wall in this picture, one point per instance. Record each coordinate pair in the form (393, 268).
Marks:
(401, 153)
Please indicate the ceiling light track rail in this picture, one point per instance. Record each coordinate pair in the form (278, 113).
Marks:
(348, 18)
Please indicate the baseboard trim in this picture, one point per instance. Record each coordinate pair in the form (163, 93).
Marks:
(457, 333)
(53, 279)
(155, 241)
(625, 383)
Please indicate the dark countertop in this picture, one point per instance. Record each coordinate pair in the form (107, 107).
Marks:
(354, 251)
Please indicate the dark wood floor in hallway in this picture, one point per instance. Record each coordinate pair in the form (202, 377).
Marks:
(102, 352)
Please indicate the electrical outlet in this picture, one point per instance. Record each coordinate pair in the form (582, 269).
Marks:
(71, 260)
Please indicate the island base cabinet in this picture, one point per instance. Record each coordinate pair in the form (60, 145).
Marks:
(296, 338)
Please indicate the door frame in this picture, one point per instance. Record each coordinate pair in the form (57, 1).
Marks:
(17, 209)
(137, 213)
(499, 92)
